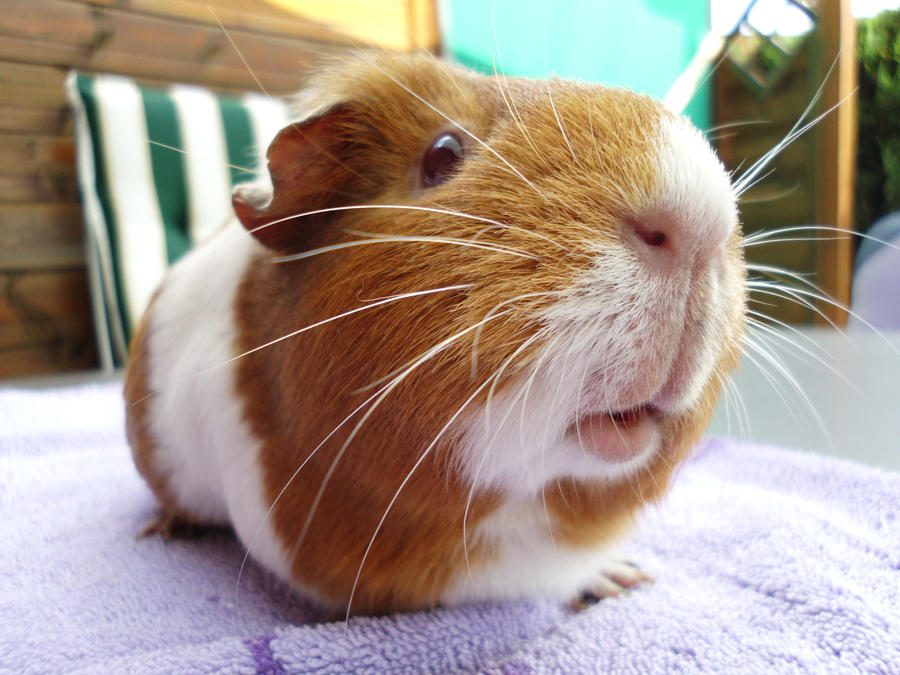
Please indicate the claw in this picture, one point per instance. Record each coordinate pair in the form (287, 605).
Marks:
(169, 526)
(615, 578)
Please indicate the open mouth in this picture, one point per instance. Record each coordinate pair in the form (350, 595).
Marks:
(618, 435)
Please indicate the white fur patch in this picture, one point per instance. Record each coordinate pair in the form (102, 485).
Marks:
(204, 446)
(524, 561)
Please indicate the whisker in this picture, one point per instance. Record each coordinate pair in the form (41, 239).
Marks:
(393, 239)
(578, 407)
(772, 198)
(757, 325)
(403, 483)
(765, 234)
(185, 152)
(238, 51)
(785, 240)
(788, 293)
(507, 94)
(496, 307)
(427, 355)
(266, 345)
(769, 377)
(734, 397)
(560, 124)
(492, 391)
(765, 319)
(377, 303)
(522, 406)
(748, 177)
(738, 123)
(789, 137)
(484, 455)
(759, 179)
(776, 272)
(288, 483)
(427, 238)
(407, 207)
(834, 303)
(496, 378)
(519, 229)
(461, 128)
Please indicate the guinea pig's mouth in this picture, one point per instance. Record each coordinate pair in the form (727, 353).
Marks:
(618, 435)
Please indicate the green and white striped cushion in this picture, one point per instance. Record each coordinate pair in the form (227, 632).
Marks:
(156, 168)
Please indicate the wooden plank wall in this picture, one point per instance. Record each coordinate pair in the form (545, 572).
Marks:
(45, 320)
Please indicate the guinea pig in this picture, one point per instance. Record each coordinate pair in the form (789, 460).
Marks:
(468, 329)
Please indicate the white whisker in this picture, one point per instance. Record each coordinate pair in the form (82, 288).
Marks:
(489, 314)
(403, 483)
(759, 326)
(388, 240)
(765, 234)
(428, 354)
(461, 128)
(288, 483)
(500, 248)
(795, 132)
(185, 152)
(496, 378)
(560, 124)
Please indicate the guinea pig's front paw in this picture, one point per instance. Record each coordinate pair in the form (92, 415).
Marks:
(169, 526)
(614, 578)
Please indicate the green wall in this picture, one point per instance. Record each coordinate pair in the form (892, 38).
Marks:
(640, 44)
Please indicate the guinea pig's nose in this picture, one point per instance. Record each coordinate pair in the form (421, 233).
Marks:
(668, 240)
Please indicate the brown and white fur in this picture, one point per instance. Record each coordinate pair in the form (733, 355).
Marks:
(543, 346)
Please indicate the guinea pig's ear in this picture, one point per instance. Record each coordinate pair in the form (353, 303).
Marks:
(311, 166)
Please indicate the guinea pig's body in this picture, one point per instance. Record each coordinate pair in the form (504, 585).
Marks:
(454, 377)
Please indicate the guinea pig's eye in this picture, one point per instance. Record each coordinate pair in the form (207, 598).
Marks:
(440, 159)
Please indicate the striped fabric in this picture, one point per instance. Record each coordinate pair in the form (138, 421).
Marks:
(156, 168)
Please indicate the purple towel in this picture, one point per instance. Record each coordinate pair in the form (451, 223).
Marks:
(765, 560)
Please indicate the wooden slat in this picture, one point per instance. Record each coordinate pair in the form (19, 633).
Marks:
(55, 32)
(351, 22)
(41, 236)
(26, 73)
(16, 94)
(51, 121)
(836, 153)
(141, 66)
(45, 317)
(26, 155)
(42, 189)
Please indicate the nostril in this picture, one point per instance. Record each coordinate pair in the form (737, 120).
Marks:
(653, 238)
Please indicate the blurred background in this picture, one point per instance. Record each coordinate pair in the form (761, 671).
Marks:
(744, 71)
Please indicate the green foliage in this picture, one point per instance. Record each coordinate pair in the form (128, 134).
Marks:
(878, 160)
